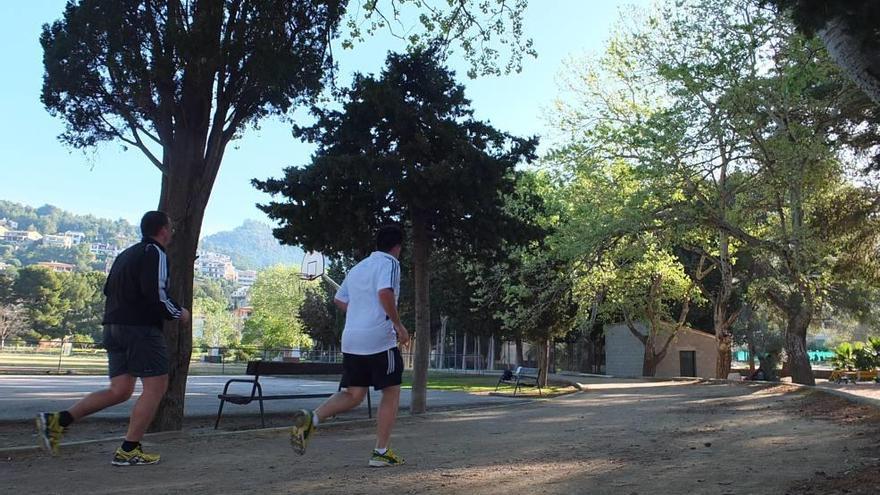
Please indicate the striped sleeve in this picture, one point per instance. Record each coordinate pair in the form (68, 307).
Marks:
(388, 275)
(155, 283)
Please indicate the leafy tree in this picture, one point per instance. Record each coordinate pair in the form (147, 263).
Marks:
(13, 321)
(219, 327)
(319, 315)
(179, 80)
(404, 148)
(41, 293)
(277, 296)
(84, 294)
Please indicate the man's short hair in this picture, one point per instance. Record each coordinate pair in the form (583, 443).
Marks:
(389, 236)
(152, 222)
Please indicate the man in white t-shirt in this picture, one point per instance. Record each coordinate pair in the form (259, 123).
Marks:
(370, 352)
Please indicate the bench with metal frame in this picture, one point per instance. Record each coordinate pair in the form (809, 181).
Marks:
(522, 377)
(274, 368)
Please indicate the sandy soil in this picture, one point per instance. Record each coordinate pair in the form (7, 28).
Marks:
(625, 438)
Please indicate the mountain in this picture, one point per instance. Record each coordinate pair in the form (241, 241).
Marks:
(252, 246)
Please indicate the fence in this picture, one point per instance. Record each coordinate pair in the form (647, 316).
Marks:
(90, 358)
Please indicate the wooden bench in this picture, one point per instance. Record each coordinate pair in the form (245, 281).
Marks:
(522, 377)
(273, 368)
(845, 376)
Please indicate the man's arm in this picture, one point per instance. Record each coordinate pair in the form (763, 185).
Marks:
(153, 279)
(342, 305)
(389, 304)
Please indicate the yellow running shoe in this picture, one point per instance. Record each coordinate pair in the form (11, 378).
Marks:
(50, 431)
(302, 430)
(136, 457)
(388, 459)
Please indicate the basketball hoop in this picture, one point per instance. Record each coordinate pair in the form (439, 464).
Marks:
(312, 268)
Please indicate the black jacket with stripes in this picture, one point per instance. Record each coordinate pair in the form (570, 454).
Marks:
(137, 287)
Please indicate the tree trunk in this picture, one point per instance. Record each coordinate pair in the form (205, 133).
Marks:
(464, 352)
(491, 353)
(796, 347)
(847, 52)
(184, 197)
(543, 362)
(751, 357)
(722, 318)
(520, 358)
(441, 342)
(649, 365)
(422, 351)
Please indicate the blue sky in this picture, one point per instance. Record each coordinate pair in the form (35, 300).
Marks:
(36, 168)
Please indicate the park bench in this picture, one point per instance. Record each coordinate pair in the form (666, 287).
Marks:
(522, 377)
(273, 368)
(845, 376)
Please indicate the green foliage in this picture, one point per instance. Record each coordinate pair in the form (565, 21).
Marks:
(40, 290)
(84, 294)
(319, 315)
(277, 296)
(218, 327)
(405, 147)
(844, 356)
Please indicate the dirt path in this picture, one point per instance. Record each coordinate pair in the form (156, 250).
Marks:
(648, 439)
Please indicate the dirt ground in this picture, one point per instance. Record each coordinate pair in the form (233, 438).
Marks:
(616, 438)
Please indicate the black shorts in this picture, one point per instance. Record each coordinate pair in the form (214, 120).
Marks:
(136, 350)
(380, 370)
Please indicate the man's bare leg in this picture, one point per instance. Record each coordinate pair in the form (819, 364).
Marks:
(340, 402)
(145, 407)
(388, 407)
(121, 387)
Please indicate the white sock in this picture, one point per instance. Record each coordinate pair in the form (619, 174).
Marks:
(381, 451)
(315, 419)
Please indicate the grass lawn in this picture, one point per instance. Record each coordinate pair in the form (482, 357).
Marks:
(438, 380)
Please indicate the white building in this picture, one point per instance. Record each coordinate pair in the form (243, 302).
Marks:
(246, 278)
(103, 249)
(54, 240)
(76, 238)
(21, 236)
(216, 266)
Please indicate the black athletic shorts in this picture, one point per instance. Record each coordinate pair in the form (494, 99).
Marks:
(136, 350)
(380, 370)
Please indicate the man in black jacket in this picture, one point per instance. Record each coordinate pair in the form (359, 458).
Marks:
(137, 305)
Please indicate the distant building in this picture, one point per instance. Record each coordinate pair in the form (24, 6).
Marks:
(57, 267)
(21, 236)
(243, 313)
(54, 240)
(216, 266)
(691, 353)
(3, 231)
(9, 224)
(76, 238)
(246, 278)
(240, 297)
(102, 249)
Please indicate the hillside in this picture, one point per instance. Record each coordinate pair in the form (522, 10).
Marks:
(252, 246)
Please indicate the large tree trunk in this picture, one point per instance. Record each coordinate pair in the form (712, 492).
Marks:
(520, 358)
(650, 362)
(860, 65)
(796, 346)
(543, 362)
(422, 351)
(184, 197)
(722, 318)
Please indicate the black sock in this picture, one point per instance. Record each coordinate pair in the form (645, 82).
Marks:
(129, 446)
(65, 419)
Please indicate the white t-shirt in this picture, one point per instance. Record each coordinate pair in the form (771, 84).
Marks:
(368, 330)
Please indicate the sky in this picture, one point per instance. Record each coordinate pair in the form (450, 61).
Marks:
(110, 182)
